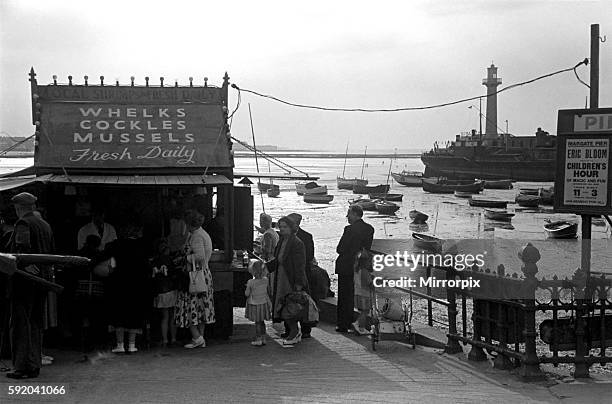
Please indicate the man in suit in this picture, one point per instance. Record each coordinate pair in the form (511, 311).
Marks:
(32, 235)
(308, 242)
(357, 235)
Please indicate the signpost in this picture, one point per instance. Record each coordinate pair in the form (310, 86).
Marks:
(584, 176)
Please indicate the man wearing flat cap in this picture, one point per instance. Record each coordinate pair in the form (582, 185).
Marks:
(306, 239)
(32, 235)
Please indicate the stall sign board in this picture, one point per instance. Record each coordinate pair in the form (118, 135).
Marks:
(583, 180)
(122, 127)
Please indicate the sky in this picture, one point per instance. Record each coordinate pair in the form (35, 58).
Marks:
(354, 54)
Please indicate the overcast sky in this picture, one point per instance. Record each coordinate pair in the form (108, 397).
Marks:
(370, 54)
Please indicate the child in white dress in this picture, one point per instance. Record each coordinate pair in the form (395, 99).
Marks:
(258, 305)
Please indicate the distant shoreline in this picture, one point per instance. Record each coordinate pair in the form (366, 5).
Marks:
(278, 154)
(328, 155)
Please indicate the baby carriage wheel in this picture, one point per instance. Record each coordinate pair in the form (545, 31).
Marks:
(374, 337)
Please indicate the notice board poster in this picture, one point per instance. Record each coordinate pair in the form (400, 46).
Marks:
(586, 172)
(583, 179)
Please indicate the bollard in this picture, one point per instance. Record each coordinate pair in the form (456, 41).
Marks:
(530, 364)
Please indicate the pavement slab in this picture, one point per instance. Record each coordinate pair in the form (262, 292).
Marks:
(327, 368)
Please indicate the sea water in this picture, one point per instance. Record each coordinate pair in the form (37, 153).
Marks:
(449, 217)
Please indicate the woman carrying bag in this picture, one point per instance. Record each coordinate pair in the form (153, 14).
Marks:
(288, 266)
(195, 307)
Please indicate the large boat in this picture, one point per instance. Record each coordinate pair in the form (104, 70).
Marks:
(520, 158)
(490, 155)
(408, 178)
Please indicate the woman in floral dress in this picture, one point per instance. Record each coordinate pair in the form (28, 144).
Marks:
(194, 311)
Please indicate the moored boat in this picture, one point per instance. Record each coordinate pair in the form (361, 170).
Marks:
(527, 201)
(561, 229)
(501, 215)
(461, 194)
(318, 198)
(387, 197)
(264, 186)
(311, 188)
(417, 217)
(386, 207)
(547, 195)
(498, 184)
(274, 191)
(374, 189)
(487, 203)
(428, 243)
(365, 204)
(349, 183)
(408, 178)
(529, 191)
(443, 186)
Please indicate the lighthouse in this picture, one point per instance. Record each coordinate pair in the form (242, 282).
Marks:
(491, 82)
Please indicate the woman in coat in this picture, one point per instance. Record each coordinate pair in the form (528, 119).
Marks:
(128, 288)
(289, 265)
(196, 310)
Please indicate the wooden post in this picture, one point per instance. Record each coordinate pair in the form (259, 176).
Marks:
(530, 364)
(580, 279)
(452, 345)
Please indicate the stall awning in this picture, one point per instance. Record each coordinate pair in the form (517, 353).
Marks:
(16, 182)
(150, 180)
(147, 180)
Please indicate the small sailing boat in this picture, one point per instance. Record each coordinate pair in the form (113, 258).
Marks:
(487, 203)
(349, 183)
(561, 229)
(386, 207)
(318, 198)
(387, 197)
(364, 203)
(310, 188)
(426, 242)
(417, 217)
(527, 201)
(498, 184)
(463, 194)
(274, 191)
(408, 178)
(501, 215)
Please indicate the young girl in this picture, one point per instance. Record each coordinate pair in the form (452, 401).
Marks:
(165, 288)
(258, 305)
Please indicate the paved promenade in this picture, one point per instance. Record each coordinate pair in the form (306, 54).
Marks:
(328, 368)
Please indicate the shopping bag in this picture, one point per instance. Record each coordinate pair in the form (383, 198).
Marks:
(197, 280)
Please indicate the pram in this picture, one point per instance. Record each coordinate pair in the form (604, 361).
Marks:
(394, 318)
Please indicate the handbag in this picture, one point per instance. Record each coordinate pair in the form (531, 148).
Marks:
(89, 288)
(197, 280)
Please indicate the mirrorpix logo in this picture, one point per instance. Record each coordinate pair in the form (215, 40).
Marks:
(413, 261)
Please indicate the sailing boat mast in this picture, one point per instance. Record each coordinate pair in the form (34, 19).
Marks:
(345, 154)
(364, 159)
(389, 173)
(256, 161)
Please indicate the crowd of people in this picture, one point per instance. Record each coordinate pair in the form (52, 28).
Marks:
(130, 281)
(289, 266)
(177, 280)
